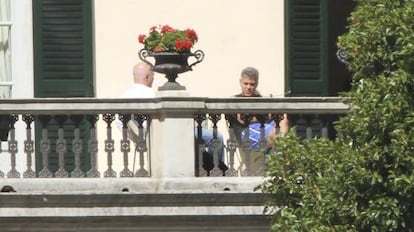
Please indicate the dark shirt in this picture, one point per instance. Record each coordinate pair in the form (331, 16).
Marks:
(254, 95)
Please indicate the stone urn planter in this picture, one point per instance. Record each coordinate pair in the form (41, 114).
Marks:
(171, 64)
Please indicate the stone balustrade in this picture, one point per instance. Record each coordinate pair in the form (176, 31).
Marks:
(73, 164)
(91, 138)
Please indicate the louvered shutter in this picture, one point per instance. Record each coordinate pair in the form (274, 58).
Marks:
(63, 43)
(63, 64)
(307, 45)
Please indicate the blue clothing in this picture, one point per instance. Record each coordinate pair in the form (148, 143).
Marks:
(254, 132)
(207, 137)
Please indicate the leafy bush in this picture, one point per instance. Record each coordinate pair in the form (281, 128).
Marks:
(307, 179)
(363, 181)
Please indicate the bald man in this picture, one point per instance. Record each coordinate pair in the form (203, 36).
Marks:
(143, 78)
(141, 88)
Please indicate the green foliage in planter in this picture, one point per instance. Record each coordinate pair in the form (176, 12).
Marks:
(365, 180)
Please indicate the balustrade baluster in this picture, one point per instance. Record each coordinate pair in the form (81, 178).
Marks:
(1, 173)
(262, 140)
(125, 144)
(316, 125)
(77, 146)
(215, 145)
(28, 146)
(93, 146)
(199, 118)
(61, 147)
(246, 146)
(13, 173)
(328, 130)
(141, 145)
(262, 143)
(231, 147)
(109, 144)
(299, 123)
(45, 147)
(1, 150)
(325, 122)
(308, 127)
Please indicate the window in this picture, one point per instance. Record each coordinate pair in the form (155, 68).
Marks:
(5, 53)
(312, 29)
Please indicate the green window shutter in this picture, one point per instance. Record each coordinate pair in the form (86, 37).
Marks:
(62, 31)
(63, 48)
(307, 45)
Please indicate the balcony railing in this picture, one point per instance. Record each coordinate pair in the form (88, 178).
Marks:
(117, 164)
(91, 138)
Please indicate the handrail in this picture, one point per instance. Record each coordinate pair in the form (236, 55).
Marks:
(40, 106)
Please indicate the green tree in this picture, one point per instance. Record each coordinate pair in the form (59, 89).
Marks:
(363, 181)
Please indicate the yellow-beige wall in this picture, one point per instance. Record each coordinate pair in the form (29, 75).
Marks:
(232, 33)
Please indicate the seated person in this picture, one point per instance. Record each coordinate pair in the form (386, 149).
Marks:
(249, 81)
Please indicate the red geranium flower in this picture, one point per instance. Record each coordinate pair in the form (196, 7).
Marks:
(187, 44)
(183, 45)
(167, 28)
(169, 39)
(141, 38)
(179, 44)
(191, 34)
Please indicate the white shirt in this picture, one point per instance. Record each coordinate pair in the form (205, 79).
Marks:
(138, 91)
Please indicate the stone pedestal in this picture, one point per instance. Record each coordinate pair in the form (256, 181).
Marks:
(172, 141)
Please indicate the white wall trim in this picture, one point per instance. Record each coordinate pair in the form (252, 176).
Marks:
(22, 49)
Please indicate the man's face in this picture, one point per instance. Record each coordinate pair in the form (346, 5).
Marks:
(248, 86)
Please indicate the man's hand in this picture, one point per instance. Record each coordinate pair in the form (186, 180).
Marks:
(284, 125)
